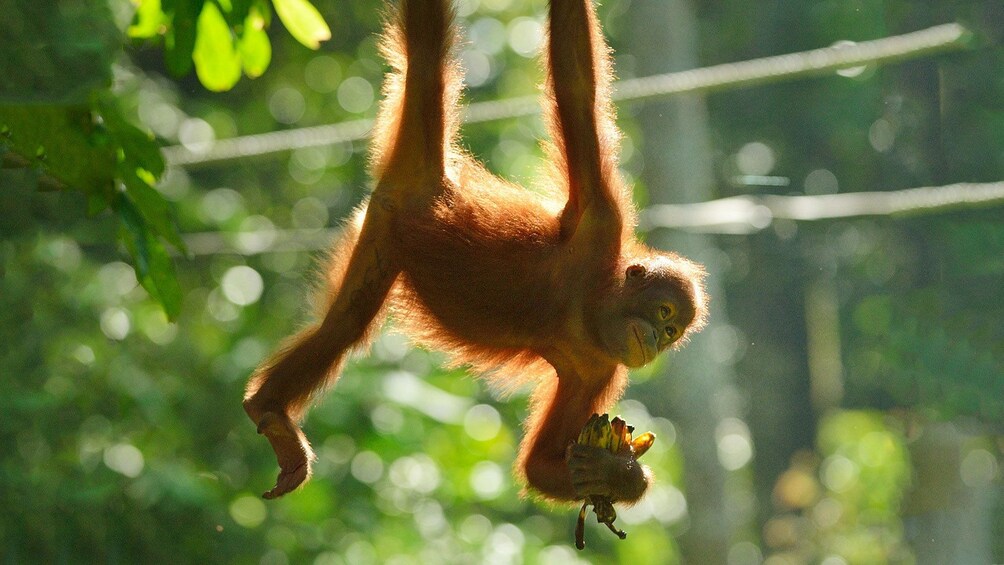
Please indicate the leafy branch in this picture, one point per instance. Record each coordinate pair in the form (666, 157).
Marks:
(93, 149)
(223, 38)
(59, 116)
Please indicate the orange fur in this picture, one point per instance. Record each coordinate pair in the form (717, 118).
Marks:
(525, 287)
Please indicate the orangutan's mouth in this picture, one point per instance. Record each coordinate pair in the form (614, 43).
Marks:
(641, 344)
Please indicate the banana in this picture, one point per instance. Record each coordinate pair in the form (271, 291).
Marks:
(588, 435)
(605, 432)
(616, 437)
(617, 433)
(641, 444)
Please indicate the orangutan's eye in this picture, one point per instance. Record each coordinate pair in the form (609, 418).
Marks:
(670, 332)
(665, 312)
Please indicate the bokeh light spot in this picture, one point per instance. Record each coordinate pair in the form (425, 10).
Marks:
(221, 204)
(322, 74)
(881, 135)
(361, 552)
(430, 519)
(248, 511)
(417, 472)
(62, 253)
(196, 135)
(117, 279)
(156, 114)
(839, 473)
(125, 459)
(310, 213)
(477, 67)
(242, 285)
(482, 422)
(475, 528)
(488, 35)
(821, 181)
(467, 7)
(115, 323)
(755, 158)
(355, 95)
(827, 512)
(156, 327)
(979, 468)
(220, 308)
(487, 480)
(526, 36)
(735, 449)
(745, 553)
(849, 72)
(387, 419)
(287, 105)
(367, 467)
(84, 354)
(257, 234)
(505, 543)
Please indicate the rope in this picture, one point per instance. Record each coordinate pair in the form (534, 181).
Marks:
(735, 215)
(719, 77)
(749, 214)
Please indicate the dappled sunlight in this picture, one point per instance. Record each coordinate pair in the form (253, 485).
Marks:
(843, 406)
(842, 504)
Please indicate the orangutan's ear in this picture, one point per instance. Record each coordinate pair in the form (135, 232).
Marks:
(635, 271)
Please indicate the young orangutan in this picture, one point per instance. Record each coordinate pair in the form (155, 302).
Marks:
(553, 288)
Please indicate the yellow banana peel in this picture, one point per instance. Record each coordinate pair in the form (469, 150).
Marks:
(615, 436)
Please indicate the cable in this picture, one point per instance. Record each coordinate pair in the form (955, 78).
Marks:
(730, 75)
(735, 215)
(749, 214)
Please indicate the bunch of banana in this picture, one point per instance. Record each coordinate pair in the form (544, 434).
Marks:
(614, 436)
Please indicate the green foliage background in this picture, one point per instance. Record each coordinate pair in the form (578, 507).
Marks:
(121, 376)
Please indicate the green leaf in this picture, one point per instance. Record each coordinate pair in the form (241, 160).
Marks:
(140, 164)
(264, 9)
(303, 21)
(133, 234)
(139, 148)
(154, 268)
(163, 277)
(65, 142)
(76, 150)
(254, 46)
(149, 20)
(154, 208)
(217, 63)
(179, 41)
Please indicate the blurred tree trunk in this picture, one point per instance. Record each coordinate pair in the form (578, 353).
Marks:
(678, 168)
(949, 510)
